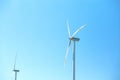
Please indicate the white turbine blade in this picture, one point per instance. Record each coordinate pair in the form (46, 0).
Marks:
(68, 26)
(15, 60)
(67, 51)
(78, 30)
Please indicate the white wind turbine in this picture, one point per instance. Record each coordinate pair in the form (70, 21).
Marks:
(15, 70)
(74, 39)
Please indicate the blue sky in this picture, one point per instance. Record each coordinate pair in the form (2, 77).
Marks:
(38, 30)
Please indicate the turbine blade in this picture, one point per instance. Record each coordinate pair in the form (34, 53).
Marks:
(78, 30)
(15, 60)
(67, 51)
(68, 26)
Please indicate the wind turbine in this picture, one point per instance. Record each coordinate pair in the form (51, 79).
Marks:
(15, 70)
(74, 39)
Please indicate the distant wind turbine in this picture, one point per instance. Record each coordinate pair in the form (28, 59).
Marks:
(15, 70)
(74, 39)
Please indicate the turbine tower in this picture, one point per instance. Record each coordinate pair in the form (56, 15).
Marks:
(74, 39)
(15, 70)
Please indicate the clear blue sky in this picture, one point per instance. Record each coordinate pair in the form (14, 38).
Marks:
(38, 30)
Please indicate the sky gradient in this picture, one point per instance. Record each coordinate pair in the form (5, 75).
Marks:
(37, 30)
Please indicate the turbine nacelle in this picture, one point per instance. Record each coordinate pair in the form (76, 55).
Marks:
(74, 39)
(16, 70)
